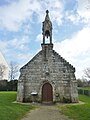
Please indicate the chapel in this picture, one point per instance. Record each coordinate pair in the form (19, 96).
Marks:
(47, 77)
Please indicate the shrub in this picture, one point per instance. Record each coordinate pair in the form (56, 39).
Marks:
(66, 100)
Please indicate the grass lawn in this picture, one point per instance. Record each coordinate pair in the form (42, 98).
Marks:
(84, 88)
(78, 112)
(10, 110)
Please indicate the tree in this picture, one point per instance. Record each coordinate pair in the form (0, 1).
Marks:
(87, 73)
(2, 71)
(13, 70)
(80, 83)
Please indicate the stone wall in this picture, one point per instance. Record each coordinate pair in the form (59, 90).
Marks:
(48, 66)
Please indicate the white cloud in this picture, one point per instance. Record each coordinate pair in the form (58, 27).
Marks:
(3, 45)
(76, 50)
(56, 10)
(16, 49)
(75, 18)
(24, 58)
(20, 44)
(39, 38)
(83, 8)
(80, 13)
(15, 13)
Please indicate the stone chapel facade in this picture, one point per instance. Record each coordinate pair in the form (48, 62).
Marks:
(47, 77)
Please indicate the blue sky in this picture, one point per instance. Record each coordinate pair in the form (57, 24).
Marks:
(21, 30)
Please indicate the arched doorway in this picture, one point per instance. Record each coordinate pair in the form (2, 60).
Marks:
(47, 93)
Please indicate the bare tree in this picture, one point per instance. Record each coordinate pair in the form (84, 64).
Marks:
(13, 70)
(87, 73)
(2, 71)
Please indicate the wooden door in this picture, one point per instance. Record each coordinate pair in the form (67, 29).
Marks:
(47, 93)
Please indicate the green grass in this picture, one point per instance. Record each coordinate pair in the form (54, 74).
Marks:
(78, 112)
(84, 88)
(10, 110)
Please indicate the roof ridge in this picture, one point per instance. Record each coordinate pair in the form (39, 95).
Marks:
(32, 59)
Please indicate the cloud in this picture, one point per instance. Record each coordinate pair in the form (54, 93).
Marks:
(83, 8)
(80, 13)
(16, 49)
(3, 45)
(19, 43)
(39, 38)
(76, 50)
(56, 9)
(74, 18)
(15, 13)
(18, 16)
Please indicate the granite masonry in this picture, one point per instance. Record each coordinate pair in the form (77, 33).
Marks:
(47, 77)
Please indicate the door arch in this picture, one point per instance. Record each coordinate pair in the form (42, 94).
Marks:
(47, 93)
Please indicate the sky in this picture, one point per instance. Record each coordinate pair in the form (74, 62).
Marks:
(21, 30)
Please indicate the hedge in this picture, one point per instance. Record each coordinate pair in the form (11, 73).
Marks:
(84, 92)
(8, 85)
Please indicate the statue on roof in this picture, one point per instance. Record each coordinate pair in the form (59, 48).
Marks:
(47, 28)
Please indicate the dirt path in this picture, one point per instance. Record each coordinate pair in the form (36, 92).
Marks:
(45, 113)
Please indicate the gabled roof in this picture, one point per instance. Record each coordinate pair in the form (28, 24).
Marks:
(40, 52)
(65, 63)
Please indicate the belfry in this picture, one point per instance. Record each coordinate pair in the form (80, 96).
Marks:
(47, 77)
